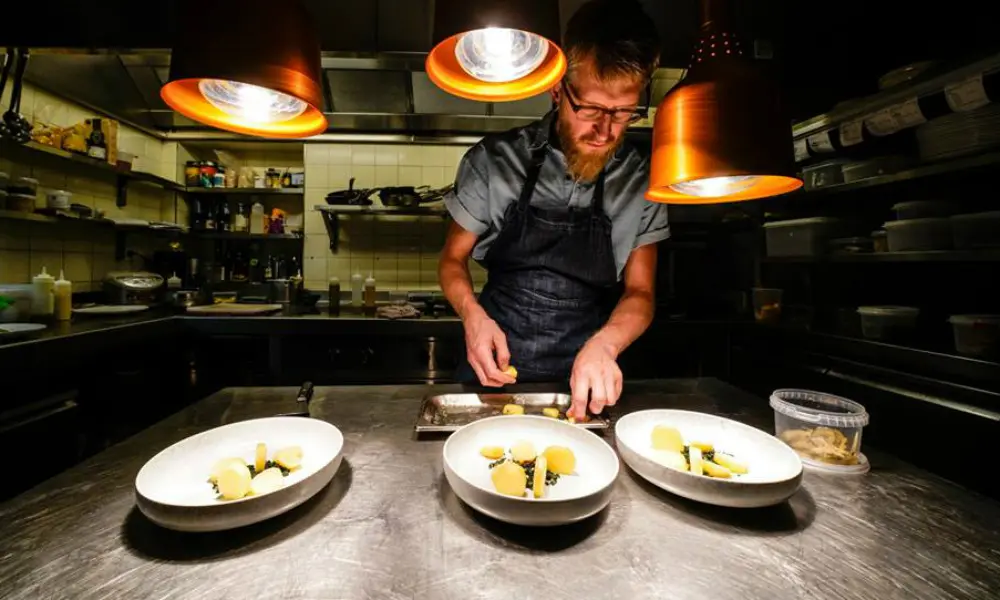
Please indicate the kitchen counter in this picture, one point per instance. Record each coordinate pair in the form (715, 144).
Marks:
(389, 526)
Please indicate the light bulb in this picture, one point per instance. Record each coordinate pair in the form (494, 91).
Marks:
(252, 103)
(714, 187)
(499, 55)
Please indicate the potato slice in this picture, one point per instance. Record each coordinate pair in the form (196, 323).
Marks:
(703, 446)
(667, 438)
(736, 466)
(491, 452)
(671, 459)
(715, 470)
(513, 409)
(523, 451)
(509, 479)
(221, 464)
(550, 411)
(510, 370)
(538, 486)
(290, 457)
(267, 481)
(560, 460)
(260, 458)
(696, 462)
(233, 481)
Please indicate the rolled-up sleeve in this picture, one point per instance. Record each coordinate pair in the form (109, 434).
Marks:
(469, 202)
(653, 225)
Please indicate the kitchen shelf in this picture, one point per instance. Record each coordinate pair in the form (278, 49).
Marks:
(245, 191)
(16, 215)
(235, 235)
(966, 163)
(986, 255)
(332, 213)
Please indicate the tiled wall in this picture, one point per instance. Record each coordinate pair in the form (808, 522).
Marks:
(401, 252)
(85, 251)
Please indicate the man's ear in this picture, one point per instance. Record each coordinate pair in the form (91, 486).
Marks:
(554, 92)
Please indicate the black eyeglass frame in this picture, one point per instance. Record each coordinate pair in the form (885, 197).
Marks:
(632, 114)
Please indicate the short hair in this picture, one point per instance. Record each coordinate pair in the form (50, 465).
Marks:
(617, 35)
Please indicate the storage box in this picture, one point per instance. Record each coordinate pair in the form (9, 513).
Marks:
(802, 237)
(976, 230)
(919, 234)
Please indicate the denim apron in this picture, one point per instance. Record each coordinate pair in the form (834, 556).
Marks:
(551, 276)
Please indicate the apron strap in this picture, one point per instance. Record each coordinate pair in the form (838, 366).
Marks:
(534, 170)
(597, 203)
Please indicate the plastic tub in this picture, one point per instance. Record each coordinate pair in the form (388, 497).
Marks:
(880, 240)
(922, 209)
(16, 302)
(976, 230)
(888, 322)
(830, 172)
(24, 185)
(977, 335)
(767, 305)
(824, 430)
(919, 234)
(801, 237)
(21, 203)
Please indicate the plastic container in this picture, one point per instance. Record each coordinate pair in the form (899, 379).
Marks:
(15, 302)
(43, 304)
(59, 199)
(370, 291)
(62, 292)
(801, 237)
(823, 429)
(922, 209)
(880, 240)
(851, 245)
(976, 230)
(919, 234)
(21, 203)
(977, 335)
(876, 167)
(888, 323)
(24, 185)
(767, 305)
(357, 282)
(829, 172)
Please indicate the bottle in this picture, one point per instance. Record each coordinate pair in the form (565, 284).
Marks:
(62, 293)
(42, 304)
(356, 292)
(96, 146)
(257, 218)
(240, 269)
(268, 269)
(209, 221)
(240, 219)
(370, 292)
(223, 220)
(173, 283)
(197, 216)
(334, 296)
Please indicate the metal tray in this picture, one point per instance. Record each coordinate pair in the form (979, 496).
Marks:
(448, 412)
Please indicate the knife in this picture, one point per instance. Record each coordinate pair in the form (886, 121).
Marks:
(302, 398)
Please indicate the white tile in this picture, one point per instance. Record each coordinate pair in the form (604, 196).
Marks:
(52, 261)
(410, 176)
(341, 269)
(433, 176)
(386, 176)
(457, 154)
(316, 246)
(409, 155)
(314, 224)
(77, 266)
(386, 155)
(364, 177)
(15, 266)
(362, 154)
(339, 154)
(316, 154)
(45, 238)
(315, 269)
(433, 156)
(317, 176)
(339, 177)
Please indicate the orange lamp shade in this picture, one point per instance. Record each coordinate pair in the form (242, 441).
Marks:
(259, 76)
(496, 50)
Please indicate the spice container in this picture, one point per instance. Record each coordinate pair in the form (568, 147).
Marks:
(219, 177)
(272, 178)
(823, 429)
(192, 173)
(206, 173)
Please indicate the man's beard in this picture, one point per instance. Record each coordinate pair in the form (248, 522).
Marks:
(583, 165)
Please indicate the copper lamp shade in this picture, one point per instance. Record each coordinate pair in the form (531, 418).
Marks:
(722, 134)
(496, 50)
(258, 76)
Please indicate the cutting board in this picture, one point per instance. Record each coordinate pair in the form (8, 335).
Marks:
(234, 308)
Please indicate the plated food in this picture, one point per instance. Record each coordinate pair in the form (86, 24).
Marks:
(530, 470)
(238, 474)
(740, 465)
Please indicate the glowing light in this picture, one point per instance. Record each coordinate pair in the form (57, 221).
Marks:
(714, 187)
(253, 103)
(500, 55)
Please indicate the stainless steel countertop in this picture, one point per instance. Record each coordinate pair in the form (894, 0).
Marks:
(389, 526)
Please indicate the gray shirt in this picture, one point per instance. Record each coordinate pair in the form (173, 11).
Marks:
(492, 173)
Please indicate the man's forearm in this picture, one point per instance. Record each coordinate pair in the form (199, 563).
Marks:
(456, 283)
(628, 321)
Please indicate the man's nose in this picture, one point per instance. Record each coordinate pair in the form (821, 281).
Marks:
(603, 127)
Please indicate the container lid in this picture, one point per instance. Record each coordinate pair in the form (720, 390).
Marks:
(62, 282)
(889, 311)
(819, 408)
(794, 222)
(861, 468)
(921, 221)
(59, 193)
(28, 196)
(993, 214)
(974, 319)
(916, 203)
(879, 233)
(43, 276)
(27, 180)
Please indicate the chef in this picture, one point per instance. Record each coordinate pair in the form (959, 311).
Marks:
(555, 213)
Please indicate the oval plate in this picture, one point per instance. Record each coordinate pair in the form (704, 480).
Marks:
(172, 488)
(775, 470)
(573, 498)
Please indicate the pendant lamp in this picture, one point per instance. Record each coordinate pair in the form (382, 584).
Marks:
(496, 50)
(721, 135)
(257, 74)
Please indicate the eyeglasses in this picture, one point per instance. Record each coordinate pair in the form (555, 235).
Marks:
(589, 112)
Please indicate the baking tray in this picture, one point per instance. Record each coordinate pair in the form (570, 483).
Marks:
(448, 412)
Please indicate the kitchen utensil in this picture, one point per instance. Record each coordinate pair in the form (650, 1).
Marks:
(450, 412)
(172, 488)
(774, 470)
(10, 331)
(351, 196)
(17, 127)
(404, 196)
(133, 287)
(825, 430)
(572, 498)
(235, 309)
(303, 398)
(114, 309)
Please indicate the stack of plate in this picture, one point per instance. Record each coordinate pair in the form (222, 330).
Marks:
(959, 134)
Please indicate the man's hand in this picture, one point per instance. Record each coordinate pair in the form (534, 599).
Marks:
(595, 373)
(483, 338)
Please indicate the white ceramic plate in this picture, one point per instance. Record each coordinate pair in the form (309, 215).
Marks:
(775, 470)
(572, 498)
(172, 488)
(116, 309)
(11, 330)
